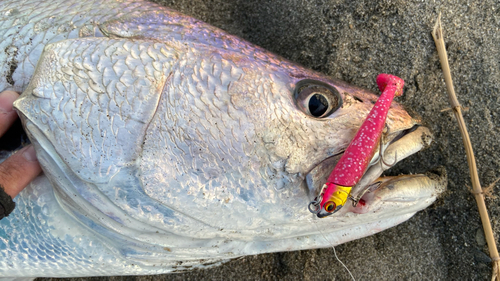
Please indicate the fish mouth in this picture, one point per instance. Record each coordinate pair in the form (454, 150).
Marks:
(398, 146)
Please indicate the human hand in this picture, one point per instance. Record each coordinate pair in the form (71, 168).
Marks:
(19, 169)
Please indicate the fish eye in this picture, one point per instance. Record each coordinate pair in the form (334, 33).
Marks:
(330, 206)
(316, 98)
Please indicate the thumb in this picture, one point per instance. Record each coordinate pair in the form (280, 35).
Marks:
(19, 170)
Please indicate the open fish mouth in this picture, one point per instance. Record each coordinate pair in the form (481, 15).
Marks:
(398, 146)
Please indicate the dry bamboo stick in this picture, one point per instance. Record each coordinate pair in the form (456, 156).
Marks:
(437, 34)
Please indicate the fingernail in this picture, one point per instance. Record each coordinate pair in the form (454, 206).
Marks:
(29, 154)
(6, 100)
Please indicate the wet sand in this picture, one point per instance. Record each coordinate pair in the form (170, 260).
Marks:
(354, 41)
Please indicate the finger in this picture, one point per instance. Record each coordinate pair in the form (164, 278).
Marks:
(7, 114)
(19, 170)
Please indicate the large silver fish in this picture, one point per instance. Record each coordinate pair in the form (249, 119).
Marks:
(168, 144)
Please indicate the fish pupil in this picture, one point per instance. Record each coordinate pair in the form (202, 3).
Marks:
(318, 105)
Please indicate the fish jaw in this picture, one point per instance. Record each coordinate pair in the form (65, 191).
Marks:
(405, 193)
(392, 202)
(407, 143)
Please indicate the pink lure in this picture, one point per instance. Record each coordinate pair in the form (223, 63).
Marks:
(353, 164)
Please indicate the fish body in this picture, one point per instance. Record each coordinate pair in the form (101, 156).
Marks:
(167, 144)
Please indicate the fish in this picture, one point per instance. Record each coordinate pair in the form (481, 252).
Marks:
(169, 145)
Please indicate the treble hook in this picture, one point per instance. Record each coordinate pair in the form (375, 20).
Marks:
(380, 156)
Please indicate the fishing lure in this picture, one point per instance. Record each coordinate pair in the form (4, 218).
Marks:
(356, 159)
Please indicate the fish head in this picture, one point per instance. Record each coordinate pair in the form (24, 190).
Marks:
(300, 145)
(166, 144)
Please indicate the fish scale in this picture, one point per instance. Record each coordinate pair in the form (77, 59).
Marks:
(27, 26)
(125, 118)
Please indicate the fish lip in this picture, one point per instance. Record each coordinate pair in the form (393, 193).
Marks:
(313, 185)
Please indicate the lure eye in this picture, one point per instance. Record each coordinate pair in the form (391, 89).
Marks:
(316, 98)
(330, 206)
